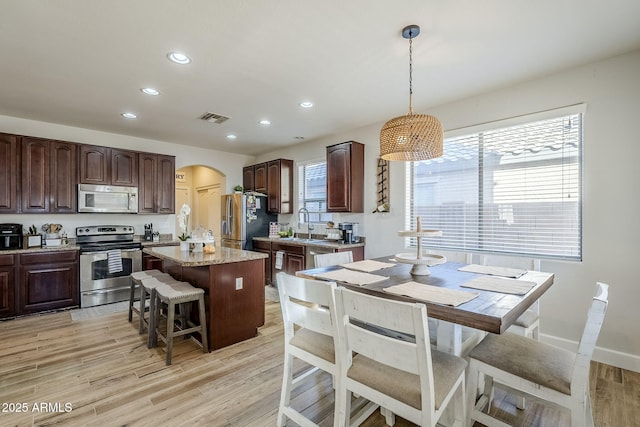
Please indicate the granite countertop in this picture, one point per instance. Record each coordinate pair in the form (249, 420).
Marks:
(171, 242)
(59, 248)
(312, 242)
(197, 259)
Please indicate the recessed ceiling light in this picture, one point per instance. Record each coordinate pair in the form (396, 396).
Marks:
(264, 122)
(178, 58)
(150, 91)
(129, 116)
(306, 104)
(231, 136)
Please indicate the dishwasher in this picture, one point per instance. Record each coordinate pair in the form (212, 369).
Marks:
(310, 251)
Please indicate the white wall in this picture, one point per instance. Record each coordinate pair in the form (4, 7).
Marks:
(611, 230)
(228, 164)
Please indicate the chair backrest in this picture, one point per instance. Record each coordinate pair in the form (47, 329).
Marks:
(307, 303)
(334, 258)
(587, 345)
(510, 261)
(378, 345)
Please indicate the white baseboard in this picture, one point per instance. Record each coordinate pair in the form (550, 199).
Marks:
(619, 359)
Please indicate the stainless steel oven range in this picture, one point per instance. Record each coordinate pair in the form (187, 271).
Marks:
(108, 255)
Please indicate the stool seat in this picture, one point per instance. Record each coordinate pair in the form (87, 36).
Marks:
(172, 294)
(136, 279)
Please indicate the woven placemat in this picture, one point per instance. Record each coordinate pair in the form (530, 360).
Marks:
(352, 277)
(500, 284)
(367, 265)
(493, 271)
(433, 294)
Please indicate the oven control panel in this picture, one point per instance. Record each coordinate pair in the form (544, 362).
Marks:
(98, 230)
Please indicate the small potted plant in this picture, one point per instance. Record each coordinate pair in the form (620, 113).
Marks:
(238, 188)
(183, 222)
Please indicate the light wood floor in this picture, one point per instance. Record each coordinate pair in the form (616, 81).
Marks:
(102, 369)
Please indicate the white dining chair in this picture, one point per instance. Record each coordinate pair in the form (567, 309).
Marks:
(545, 372)
(334, 258)
(406, 378)
(310, 334)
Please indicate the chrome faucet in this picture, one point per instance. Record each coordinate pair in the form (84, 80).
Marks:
(305, 218)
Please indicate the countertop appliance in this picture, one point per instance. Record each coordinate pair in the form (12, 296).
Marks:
(244, 216)
(107, 199)
(10, 236)
(349, 232)
(108, 255)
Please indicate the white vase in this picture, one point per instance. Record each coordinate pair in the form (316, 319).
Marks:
(184, 246)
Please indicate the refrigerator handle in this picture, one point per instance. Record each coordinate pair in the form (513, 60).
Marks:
(230, 215)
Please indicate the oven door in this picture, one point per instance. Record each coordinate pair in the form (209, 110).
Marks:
(99, 286)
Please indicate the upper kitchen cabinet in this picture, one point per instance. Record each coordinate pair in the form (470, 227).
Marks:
(248, 180)
(49, 179)
(260, 178)
(156, 183)
(345, 177)
(108, 166)
(280, 186)
(9, 161)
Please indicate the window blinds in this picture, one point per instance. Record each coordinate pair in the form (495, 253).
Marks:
(513, 189)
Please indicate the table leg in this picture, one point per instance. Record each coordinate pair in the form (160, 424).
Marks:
(449, 338)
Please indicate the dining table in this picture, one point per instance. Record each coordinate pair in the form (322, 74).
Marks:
(473, 304)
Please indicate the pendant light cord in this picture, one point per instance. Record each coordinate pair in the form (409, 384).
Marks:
(410, 72)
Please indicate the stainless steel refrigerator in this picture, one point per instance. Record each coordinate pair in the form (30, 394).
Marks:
(244, 216)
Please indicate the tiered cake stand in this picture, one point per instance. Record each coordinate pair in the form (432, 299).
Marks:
(421, 263)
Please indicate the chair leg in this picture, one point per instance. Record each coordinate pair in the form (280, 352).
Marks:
(287, 385)
(472, 390)
(389, 416)
(171, 313)
(203, 324)
(132, 293)
(152, 323)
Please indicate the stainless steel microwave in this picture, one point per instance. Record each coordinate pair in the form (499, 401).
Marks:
(107, 199)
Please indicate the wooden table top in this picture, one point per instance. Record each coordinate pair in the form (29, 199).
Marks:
(490, 311)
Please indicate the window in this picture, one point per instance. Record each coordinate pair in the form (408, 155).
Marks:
(512, 187)
(312, 191)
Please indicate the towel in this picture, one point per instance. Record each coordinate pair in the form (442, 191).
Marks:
(114, 261)
(433, 294)
(279, 260)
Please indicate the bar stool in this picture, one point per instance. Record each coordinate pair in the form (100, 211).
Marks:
(136, 280)
(173, 294)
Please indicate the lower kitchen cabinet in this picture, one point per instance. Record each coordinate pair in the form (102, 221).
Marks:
(150, 262)
(48, 280)
(293, 259)
(7, 286)
(265, 248)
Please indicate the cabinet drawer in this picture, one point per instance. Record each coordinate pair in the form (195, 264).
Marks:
(49, 257)
(295, 249)
(259, 244)
(6, 259)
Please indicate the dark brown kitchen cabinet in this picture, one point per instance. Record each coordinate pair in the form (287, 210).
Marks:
(48, 281)
(7, 286)
(265, 248)
(48, 181)
(9, 163)
(345, 177)
(293, 259)
(280, 186)
(248, 180)
(260, 178)
(156, 183)
(108, 166)
(150, 262)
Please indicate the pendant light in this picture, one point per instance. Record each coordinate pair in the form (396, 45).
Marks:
(411, 137)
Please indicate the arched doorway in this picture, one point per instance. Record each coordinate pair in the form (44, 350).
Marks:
(200, 187)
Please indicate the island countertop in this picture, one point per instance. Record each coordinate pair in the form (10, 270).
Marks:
(196, 259)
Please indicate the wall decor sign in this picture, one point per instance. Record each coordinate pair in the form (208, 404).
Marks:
(382, 180)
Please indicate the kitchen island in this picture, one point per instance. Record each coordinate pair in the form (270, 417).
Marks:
(233, 281)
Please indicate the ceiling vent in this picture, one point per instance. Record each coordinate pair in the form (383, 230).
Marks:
(214, 118)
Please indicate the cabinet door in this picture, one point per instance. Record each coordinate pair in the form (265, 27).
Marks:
(273, 186)
(280, 186)
(63, 168)
(7, 286)
(95, 163)
(293, 262)
(247, 178)
(124, 167)
(338, 172)
(9, 161)
(149, 262)
(260, 177)
(35, 175)
(267, 264)
(166, 185)
(147, 182)
(47, 284)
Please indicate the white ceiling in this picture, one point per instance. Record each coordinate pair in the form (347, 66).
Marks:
(82, 62)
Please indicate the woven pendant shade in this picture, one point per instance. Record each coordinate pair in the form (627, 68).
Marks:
(411, 137)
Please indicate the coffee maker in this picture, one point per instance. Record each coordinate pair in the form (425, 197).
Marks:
(348, 232)
(10, 236)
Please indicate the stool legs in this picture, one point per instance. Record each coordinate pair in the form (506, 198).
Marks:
(203, 324)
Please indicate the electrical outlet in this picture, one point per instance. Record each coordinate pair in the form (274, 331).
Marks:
(238, 283)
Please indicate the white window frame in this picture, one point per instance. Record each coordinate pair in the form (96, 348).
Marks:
(471, 237)
(315, 216)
